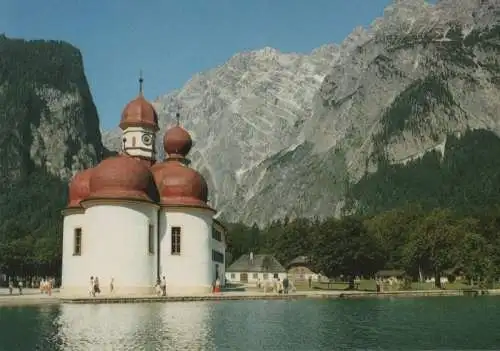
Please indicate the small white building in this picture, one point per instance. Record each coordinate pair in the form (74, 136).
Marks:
(300, 270)
(252, 268)
(132, 220)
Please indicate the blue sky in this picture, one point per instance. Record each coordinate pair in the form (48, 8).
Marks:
(172, 40)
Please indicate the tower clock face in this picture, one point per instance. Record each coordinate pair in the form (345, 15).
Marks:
(147, 139)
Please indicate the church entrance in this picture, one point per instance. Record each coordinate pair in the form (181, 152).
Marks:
(244, 277)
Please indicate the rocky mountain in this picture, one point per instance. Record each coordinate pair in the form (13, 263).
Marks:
(47, 116)
(286, 134)
(243, 112)
(49, 129)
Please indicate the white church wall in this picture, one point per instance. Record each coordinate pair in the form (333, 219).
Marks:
(219, 246)
(71, 263)
(115, 244)
(191, 270)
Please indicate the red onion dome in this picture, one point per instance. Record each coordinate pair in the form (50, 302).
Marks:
(159, 171)
(121, 177)
(177, 142)
(79, 187)
(139, 113)
(180, 185)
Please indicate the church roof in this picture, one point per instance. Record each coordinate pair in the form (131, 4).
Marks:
(260, 264)
(121, 177)
(177, 142)
(386, 273)
(300, 261)
(139, 113)
(171, 183)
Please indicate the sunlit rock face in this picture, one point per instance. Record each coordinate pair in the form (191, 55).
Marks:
(243, 112)
(283, 134)
(48, 120)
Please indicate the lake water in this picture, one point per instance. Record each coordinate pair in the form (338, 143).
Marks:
(456, 323)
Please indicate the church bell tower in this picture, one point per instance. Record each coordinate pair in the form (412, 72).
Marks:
(139, 123)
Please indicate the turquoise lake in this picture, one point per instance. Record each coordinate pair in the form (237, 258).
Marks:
(451, 323)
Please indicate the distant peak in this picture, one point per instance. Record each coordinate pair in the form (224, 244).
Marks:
(358, 37)
(267, 51)
(326, 48)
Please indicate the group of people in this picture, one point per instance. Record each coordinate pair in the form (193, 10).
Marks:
(45, 285)
(94, 288)
(161, 287)
(277, 286)
(216, 286)
(20, 286)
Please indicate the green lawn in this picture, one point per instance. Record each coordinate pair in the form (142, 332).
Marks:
(369, 285)
(364, 285)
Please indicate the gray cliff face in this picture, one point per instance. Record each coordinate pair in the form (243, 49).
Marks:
(243, 112)
(272, 140)
(62, 141)
(47, 117)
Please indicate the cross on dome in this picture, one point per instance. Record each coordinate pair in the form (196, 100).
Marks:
(141, 82)
(139, 112)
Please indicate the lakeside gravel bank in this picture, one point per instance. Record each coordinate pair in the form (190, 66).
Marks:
(39, 299)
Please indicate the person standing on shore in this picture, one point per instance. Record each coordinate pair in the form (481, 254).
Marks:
(285, 285)
(50, 284)
(163, 286)
(97, 290)
(42, 286)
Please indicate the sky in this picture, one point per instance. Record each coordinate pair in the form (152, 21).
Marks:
(170, 41)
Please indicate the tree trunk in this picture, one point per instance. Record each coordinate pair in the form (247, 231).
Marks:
(437, 279)
(351, 282)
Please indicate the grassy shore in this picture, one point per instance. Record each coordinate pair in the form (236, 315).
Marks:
(370, 285)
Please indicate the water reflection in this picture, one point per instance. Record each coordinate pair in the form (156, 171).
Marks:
(404, 324)
(173, 326)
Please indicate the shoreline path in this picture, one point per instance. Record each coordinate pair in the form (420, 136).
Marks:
(34, 297)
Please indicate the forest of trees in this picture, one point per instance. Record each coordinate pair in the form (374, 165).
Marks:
(466, 178)
(31, 224)
(31, 199)
(407, 238)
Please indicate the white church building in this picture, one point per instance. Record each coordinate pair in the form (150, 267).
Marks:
(133, 220)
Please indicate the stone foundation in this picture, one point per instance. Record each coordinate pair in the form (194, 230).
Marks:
(188, 290)
(119, 291)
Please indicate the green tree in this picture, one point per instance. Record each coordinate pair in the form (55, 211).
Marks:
(434, 244)
(476, 258)
(344, 247)
(392, 230)
(290, 240)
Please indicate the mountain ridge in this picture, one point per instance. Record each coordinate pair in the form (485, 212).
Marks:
(388, 92)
